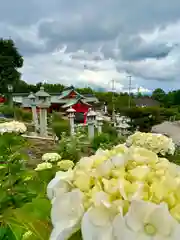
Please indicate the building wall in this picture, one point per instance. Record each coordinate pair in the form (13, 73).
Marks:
(18, 99)
(2, 99)
(81, 107)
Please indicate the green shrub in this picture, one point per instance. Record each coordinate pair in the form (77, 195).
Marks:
(7, 111)
(19, 113)
(12, 164)
(56, 116)
(82, 129)
(22, 115)
(73, 147)
(106, 141)
(121, 139)
(23, 202)
(176, 157)
(145, 118)
(101, 141)
(59, 127)
(109, 129)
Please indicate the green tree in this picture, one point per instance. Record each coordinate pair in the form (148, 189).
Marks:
(145, 118)
(86, 90)
(53, 88)
(21, 87)
(10, 61)
(159, 95)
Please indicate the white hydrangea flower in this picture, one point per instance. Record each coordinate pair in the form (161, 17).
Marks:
(118, 160)
(65, 164)
(97, 223)
(12, 127)
(43, 166)
(118, 194)
(67, 212)
(62, 183)
(51, 157)
(157, 143)
(146, 220)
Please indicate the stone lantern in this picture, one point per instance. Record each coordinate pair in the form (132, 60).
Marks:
(10, 87)
(123, 128)
(105, 109)
(71, 115)
(91, 118)
(43, 100)
(10, 91)
(99, 124)
(32, 99)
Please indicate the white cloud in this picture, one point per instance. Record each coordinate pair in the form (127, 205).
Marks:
(92, 67)
(165, 69)
(169, 34)
(140, 90)
(80, 66)
(29, 34)
(97, 41)
(59, 66)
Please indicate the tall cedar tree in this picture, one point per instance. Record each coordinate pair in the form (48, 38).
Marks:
(10, 61)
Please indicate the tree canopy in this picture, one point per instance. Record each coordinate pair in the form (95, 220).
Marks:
(170, 99)
(10, 61)
(159, 95)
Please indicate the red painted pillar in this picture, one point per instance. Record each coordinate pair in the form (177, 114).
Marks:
(85, 117)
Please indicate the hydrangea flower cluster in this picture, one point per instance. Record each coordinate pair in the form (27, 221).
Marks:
(51, 157)
(54, 159)
(12, 127)
(65, 164)
(119, 194)
(157, 143)
(43, 166)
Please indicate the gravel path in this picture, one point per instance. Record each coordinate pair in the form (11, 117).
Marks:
(171, 129)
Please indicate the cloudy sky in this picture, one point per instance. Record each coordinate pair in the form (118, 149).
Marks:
(89, 43)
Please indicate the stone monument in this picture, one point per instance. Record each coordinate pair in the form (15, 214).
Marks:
(71, 115)
(32, 99)
(99, 124)
(91, 117)
(43, 100)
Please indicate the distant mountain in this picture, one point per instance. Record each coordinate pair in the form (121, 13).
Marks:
(100, 89)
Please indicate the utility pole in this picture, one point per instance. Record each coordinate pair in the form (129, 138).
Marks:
(113, 107)
(129, 100)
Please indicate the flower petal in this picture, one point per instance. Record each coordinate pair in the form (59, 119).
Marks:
(176, 232)
(121, 231)
(105, 168)
(66, 214)
(162, 220)
(67, 208)
(97, 224)
(61, 234)
(118, 160)
(137, 214)
(143, 236)
(101, 199)
(60, 184)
